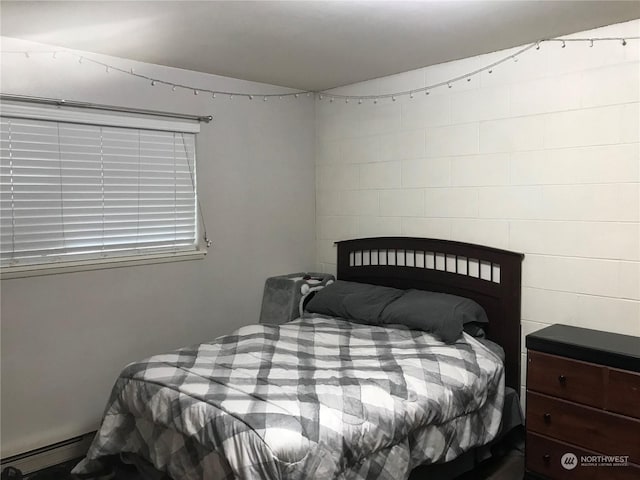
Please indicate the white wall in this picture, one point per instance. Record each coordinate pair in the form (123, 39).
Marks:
(541, 157)
(66, 337)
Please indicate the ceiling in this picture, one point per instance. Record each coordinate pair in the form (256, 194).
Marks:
(310, 45)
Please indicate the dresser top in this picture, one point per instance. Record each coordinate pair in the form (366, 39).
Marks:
(605, 348)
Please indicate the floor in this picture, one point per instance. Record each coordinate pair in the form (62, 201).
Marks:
(63, 472)
(509, 467)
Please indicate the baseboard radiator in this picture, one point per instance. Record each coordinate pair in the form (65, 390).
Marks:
(44, 457)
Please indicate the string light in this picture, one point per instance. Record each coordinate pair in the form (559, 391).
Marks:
(152, 80)
(487, 68)
(331, 96)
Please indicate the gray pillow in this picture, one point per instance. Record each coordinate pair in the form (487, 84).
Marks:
(439, 313)
(358, 302)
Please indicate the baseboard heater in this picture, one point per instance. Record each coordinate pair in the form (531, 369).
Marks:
(44, 457)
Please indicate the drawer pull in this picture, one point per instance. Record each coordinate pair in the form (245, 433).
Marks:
(546, 457)
(547, 418)
(562, 379)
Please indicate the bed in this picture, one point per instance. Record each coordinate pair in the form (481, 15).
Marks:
(324, 396)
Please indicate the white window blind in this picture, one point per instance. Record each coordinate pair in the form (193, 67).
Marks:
(87, 190)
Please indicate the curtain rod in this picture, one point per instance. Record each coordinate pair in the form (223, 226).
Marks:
(95, 106)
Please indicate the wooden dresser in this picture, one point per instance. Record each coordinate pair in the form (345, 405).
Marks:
(583, 402)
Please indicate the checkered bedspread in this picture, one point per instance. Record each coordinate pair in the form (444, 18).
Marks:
(317, 398)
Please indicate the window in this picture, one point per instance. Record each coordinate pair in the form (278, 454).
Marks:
(86, 186)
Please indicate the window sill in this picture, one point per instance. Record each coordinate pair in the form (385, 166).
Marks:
(22, 271)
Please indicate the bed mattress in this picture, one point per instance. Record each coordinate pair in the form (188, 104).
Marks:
(314, 398)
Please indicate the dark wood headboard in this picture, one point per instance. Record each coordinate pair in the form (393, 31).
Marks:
(490, 276)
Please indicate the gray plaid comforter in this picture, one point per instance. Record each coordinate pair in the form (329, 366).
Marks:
(317, 398)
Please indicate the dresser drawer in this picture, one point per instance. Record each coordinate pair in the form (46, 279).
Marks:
(544, 455)
(564, 378)
(623, 392)
(586, 427)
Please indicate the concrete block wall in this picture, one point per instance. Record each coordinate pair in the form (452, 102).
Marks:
(541, 156)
